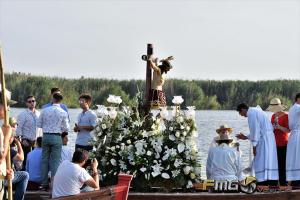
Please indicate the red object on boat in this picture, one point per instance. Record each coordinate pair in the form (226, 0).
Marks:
(122, 188)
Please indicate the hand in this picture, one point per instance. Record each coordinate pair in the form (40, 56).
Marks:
(254, 151)
(76, 128)
(241, 136)
(94, 164)
(9, 173)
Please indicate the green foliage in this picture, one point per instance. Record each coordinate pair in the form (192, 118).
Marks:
(202, 94)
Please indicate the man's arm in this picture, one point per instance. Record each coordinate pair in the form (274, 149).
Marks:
(94, 182)
(20, 154)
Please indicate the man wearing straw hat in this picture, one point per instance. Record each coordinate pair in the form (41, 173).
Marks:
(223, 161)
(263, 142)
(5, 134)
(280, 123)
(222, 130)
(293, 146)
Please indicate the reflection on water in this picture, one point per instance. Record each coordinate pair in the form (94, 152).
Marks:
(207, 122)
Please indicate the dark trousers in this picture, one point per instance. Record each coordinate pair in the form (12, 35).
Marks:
(87, 148)
(26, 149)
(281, 156)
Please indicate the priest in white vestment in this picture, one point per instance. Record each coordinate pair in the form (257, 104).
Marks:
(223, 161)
(293, 146)
(263, 142)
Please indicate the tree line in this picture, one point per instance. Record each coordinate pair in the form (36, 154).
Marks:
(204, 94)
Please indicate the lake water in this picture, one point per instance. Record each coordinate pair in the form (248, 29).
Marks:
(207, 122)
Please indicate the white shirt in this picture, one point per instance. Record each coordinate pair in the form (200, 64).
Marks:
(27, 124)
(54, 119)
(223, 163)
(68, 179)
(66, 153)
(294, 116)
(259, 124)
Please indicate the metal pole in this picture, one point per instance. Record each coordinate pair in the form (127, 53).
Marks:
(6, 122)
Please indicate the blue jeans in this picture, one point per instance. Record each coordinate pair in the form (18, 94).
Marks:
(19, 182)
(51, 153)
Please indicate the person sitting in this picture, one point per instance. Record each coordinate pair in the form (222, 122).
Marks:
(223, 161)
(33, 166)
(222, 130)
(66, 152)
(71, 176)
(20, 178)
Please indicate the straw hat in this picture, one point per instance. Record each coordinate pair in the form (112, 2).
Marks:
(276, 106)
(224, 127)
(223, 137)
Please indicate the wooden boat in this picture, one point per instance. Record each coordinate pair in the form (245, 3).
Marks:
(117, 192)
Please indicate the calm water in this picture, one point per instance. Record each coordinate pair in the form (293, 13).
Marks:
(207, 122)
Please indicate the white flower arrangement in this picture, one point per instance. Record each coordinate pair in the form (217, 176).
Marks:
(139, 146)
(177, 100)
(114, 99)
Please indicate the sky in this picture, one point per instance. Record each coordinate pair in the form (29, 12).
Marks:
(210, 39)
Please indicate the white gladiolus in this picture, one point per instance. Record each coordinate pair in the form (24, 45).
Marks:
(180, 147)
(102, 110)
(195, 134)
(172, 137)
(184, 133)
(180, 119)
(165, 176)
(113, 162)
(143, 169)
(186, 170)
(189, 185)
(112, 113)
(177, 100)
(103, 126)
(191, 112)
(114, 99)
(164, 112)
(128, 142)
(177, 163)
(175, 173)
(177, 134)
(149, 153)
(171, 128)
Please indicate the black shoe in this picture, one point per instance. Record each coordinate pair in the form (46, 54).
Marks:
(44, 188)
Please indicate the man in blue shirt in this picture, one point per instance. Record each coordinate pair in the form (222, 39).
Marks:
(33, 163)
(86, 123)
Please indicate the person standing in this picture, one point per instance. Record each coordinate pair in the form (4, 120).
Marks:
(86, 123)
(27, 126)
(263, 142)
(5, 135)
(54, 121)
(293, 146)
(280, 122)
(63, 106)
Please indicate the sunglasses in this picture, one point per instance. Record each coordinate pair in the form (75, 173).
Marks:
(31, 101)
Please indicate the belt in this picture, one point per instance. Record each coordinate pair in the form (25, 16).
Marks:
(58, 134)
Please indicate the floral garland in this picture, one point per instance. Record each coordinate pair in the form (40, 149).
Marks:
(154, 149)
